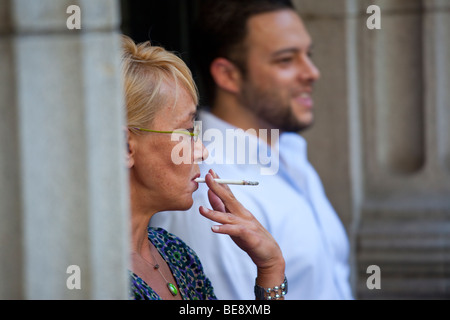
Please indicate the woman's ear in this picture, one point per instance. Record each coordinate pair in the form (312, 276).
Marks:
(226, 75)
(130, 148)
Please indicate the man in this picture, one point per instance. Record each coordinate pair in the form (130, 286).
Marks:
(255, 59)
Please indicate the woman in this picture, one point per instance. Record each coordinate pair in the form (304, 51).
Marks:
(161, 99)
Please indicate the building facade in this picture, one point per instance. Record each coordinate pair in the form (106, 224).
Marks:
(381, 143)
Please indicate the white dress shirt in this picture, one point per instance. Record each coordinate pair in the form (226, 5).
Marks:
(290, 204)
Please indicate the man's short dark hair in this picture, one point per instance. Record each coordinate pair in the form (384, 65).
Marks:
(221, 29)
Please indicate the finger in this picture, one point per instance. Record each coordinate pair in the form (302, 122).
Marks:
(234, 231)
(215, 202)
(224, 193)
(240, 235)
(216, 176)
(217, 216)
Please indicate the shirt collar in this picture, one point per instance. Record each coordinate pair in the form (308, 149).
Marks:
(291, 145)
(210, 121)
(288, 140)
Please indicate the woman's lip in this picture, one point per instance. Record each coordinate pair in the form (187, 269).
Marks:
(196, 185)
(195, 182)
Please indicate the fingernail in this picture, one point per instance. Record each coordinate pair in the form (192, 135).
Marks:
(206, 210)
(215, 228)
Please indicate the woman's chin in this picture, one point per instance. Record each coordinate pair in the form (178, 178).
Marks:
(188, 206)
(182, 205)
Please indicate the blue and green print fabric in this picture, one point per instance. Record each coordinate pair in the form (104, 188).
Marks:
(184, 264)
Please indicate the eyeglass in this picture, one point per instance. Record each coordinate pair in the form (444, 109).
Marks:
(194, 134)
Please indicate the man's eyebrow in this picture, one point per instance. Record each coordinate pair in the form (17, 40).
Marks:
(284, 51)
(290, 50)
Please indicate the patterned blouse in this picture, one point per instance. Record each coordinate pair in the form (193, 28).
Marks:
(184, 264)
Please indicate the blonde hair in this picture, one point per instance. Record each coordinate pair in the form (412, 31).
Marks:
(145, 69)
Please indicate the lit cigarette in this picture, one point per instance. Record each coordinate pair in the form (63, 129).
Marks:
(227, 181)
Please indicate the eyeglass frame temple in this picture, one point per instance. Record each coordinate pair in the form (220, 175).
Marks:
(192, 134)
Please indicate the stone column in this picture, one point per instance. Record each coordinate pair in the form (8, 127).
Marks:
(11, 268)
(69, 198)
(405, 225)
(381, 142)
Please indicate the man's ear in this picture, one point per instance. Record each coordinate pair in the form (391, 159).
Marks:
(226, 75)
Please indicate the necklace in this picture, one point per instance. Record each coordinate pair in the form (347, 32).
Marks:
(172, 288)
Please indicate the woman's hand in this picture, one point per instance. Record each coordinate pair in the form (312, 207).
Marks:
(246, 232)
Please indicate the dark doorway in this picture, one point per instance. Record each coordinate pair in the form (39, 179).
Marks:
(165, 23)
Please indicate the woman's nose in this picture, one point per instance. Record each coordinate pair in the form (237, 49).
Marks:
(200, 151)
